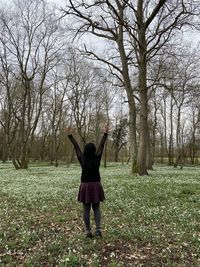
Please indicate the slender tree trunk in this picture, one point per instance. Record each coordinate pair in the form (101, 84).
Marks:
(42, 148)
(165, 144)
(154, 131)
(56, 146)
(193, 152)
(122, 155)
(171, 146)
(161, 149)
(193, 143)
(178, 143)
(4, 150)
(13, 156)
(51, 150)
(116, 154)
(170, 161)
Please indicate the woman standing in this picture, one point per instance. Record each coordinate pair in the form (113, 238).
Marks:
(90, 191)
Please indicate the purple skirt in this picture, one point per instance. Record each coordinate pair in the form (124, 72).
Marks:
(91, 192)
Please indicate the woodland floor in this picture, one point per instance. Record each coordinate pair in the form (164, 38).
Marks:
(147, 221)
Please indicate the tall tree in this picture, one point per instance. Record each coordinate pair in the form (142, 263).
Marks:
(137, 31)
(30, 44)
(104, 20)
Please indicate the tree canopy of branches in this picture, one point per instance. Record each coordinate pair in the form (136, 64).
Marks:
(29, 50)
(136, 30)
(134, 67)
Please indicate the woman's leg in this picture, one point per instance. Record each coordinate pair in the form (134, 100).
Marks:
(97, 215)
(86, 216)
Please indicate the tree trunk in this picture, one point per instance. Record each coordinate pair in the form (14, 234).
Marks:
(133, 138)
(170, 161)
(105, 155)
(116, 155)
(51, 149)
(24, 157)
(154, 131)
(171, 146)
(193, 143)
(142, 84)
(178, 143)
(122, 155)
(161, 149)
(131, 100)
(4, 151)
(149, 157)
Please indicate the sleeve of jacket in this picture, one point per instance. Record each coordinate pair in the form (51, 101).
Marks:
(101, 145)
(76, 147)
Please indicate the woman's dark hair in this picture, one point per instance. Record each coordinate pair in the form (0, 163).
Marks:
(89, 153)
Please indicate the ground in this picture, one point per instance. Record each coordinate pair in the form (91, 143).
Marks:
(147, 221)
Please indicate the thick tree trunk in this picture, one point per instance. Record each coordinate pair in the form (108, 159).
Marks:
(142, 84)
(105, 155)
(15, 164)
(143, 140)
(149, 162)
(24, 160)
(133, 138)
(131, 100)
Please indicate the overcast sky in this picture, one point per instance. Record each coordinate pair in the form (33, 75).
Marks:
(191, 35)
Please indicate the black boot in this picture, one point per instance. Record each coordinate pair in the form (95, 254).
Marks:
(98, 233)
(89, 234)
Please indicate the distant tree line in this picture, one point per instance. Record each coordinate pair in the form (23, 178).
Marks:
(144, 82)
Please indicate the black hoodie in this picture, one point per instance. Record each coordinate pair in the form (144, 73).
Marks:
(89, 160)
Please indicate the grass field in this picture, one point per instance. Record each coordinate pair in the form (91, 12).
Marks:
(147, 221)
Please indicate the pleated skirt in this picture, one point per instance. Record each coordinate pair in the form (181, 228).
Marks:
(91, 192)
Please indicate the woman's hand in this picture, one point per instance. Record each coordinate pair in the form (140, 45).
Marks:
(105, 128)
(69, 130)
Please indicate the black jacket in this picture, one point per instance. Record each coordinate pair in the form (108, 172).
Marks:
(90, 174)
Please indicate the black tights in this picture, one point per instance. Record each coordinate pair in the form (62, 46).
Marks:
(86, 215)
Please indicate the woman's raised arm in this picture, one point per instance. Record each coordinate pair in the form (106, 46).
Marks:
(102, 143)
(75, 144)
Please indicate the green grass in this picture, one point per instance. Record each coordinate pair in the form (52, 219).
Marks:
(147, 221)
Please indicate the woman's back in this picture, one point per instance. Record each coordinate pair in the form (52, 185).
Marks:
(90, 169)
(90, 159)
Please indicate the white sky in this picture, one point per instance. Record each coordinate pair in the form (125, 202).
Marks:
(190, 36)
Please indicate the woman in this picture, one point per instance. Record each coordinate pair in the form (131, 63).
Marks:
(90, 191)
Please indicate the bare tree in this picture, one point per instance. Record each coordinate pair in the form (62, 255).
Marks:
(194, 113)
(28, 38)
(57, 107)
(84, 93)
(145, 28)
(106, 21)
